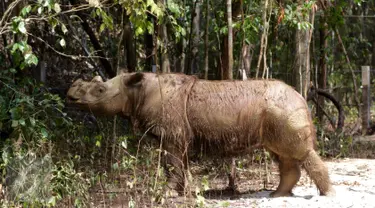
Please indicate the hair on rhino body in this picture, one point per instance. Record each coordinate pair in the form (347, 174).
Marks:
(219, 117)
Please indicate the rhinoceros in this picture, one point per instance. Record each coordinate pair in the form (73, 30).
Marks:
(219, 117)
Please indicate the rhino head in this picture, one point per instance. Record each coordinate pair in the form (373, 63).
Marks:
(105, 98)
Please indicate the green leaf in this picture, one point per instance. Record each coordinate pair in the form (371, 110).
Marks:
(22, 122)
(32, 121)
(124, 144)
(102, 27)
(115, 166)
(31, 59)
(138, 31)
(183, 31)
(15, 47)
(62, 42)
(12, 70)
(46, 3)
(14, 123)
(77, 202)
(25, 10)
(63, 28)
(21, 27)
(57, 8)
(52, 201)
(97, 143)
(44, 133)
(22, 65)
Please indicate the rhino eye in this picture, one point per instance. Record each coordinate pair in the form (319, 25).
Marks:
(101, 89)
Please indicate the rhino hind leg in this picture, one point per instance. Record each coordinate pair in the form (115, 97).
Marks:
(318, 172)
(290, 173)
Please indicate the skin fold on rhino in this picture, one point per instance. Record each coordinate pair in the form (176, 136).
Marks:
(216, 117)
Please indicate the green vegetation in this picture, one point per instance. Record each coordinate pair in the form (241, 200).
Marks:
(55, 156)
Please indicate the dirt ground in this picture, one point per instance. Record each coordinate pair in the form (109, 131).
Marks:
(353, 179)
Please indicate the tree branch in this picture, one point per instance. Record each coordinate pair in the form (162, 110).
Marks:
(106, 65)
(341, 117)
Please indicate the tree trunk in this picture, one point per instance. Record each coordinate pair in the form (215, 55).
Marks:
(314, 92)
(302, 60)
(247, 57)
(322, 74)
(245, 53)
(181, 46)
(228, 70)
(194, 67)
(164, 58)
(129, 45)
(95, 43)
(228, 74)
(225, 72)
(149, 49)
(165, 64)
(206, 41)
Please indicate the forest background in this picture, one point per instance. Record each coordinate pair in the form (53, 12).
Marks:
(54, 155)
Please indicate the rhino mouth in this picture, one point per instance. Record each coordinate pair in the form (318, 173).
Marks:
(71, 99)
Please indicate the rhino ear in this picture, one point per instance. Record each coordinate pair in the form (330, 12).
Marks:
(134, 79)
(97, 79)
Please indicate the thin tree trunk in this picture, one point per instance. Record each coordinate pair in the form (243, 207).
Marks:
(149, 49)
(266, 28)
(302, 60)
(129, 45)
(228, 74)
(165, 63)
(196, 39)
(247, 57)
(356, 99)
(322, 75)
(191, 44)
(301, 70)
(262, 40)
(206, 41)
(241, 57)
(105, 63)
(235, 11)
(181, 58)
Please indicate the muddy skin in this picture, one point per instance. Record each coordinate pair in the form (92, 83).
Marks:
(220, 117)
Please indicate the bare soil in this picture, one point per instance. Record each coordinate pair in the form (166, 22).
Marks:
(353, 180)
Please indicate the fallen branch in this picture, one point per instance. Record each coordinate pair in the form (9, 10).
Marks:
(341, 117)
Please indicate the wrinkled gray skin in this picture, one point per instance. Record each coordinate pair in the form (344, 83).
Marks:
(220, 117)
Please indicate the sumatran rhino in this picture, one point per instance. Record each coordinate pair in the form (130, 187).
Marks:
(223, 117)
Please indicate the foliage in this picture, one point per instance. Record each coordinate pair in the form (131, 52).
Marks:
(296, 15)
(51, 156)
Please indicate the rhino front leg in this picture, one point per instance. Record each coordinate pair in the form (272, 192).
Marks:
(175, 163)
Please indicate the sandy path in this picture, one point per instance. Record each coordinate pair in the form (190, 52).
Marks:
(353, 179)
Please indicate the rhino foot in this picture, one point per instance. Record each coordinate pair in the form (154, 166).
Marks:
(276, 193)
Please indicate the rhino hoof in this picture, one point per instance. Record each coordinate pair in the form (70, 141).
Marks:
(330, 193)
(275, 194)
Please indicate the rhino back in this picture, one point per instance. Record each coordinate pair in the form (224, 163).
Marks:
(232, 112)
